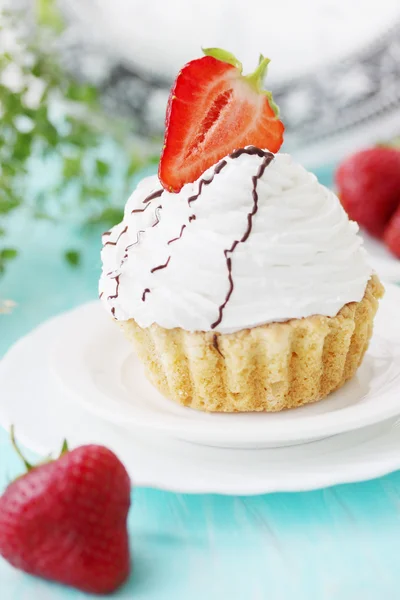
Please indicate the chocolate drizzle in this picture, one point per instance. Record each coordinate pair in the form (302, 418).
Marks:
(156, 222)
(125, 256)
(140, 210)
(250, 150)
(217, 169)
(146, 201)
(161, 266)
(267, 158)
(115, 296)
(153, 195)
(179, 236)
(116, 289)
(117, 240)
(134, 243)
(216, 345)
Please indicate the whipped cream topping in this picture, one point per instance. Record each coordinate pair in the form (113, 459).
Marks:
(255, 240)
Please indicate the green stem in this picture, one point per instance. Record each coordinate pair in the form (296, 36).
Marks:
(28, 465)
(64, 448)
(257, 77)
(223, 56)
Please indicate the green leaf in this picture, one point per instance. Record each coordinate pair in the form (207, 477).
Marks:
(108, 217)
(48, 15)
(37, 67)
(256, 78)
(72, 257)
(8, 254)
(44, 128)
(2, 232)
(272, 103)
(75, 142)
(12, 102)
(102, 168)
(224, 56)
(5, 58)
(393, 143)
(81, 93)
(8, 203)
(22, 147)
(154, 159)
(50, 135)
(135, 164)
(64, 448)
(42, 115)
(72, 167)
(81, 135)
(9, 168)
(43, 216)
(90, 192)
(27, 464)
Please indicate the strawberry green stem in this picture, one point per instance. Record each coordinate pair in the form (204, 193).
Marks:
(257, 77)
(28, 465)
(64, 448)
(224, 56)
(394, 143)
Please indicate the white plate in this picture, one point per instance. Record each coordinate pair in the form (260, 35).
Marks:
(97, 368)
(43, 416)
(383, 261)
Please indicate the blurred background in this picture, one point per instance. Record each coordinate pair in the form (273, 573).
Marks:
(334, 72)
(83, 90)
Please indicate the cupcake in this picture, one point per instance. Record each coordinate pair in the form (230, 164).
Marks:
(239, 279)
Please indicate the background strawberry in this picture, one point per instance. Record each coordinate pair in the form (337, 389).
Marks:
(368, 184)
(392, 233)
(212, 110)
(66, 520)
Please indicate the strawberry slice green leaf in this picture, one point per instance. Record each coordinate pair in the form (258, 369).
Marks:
(224, 56)
(212, 110)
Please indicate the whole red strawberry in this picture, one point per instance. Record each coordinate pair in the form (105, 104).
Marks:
(212, 110)
(392, 234)
(369, 187)
(66, 520)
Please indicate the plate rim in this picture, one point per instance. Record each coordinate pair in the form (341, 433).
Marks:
(175, 424)
(345, 471)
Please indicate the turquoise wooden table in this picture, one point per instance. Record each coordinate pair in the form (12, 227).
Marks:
(338, 543)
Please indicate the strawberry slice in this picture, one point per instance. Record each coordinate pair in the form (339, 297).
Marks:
(212, 110)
